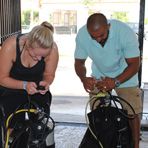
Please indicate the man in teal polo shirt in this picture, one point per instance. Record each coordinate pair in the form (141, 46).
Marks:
(114, 50)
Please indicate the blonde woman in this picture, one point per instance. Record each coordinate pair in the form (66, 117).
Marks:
(28, 61)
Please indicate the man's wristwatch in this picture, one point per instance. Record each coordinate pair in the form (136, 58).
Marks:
(117, 82)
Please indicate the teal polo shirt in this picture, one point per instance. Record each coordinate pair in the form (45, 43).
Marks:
(109, 61)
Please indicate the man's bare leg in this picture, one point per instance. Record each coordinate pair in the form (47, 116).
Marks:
(135, 129)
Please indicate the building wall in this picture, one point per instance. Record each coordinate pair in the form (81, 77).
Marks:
(58, 12)
(107, 7)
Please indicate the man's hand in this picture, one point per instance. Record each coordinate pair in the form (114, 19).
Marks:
(105, 84)
(88, 83)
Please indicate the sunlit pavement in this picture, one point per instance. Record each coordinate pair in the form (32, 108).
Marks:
(69, 99)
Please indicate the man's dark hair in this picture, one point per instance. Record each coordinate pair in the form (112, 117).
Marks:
(96, 19)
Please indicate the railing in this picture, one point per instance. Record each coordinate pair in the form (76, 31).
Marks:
(10, 15)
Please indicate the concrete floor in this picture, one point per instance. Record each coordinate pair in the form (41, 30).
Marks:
(69, 135)
(69, 113)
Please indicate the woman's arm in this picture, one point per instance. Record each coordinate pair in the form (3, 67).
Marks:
(7, 57)
(51, 62)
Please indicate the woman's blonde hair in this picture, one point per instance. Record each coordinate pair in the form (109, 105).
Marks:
(48, 25)
(42, 35)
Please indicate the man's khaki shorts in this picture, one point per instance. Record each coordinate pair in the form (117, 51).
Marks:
(132, 95)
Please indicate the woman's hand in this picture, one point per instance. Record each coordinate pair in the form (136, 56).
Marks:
(31, 88)
(45, 87)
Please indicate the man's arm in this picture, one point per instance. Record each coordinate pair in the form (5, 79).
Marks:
(80, 68)
(88, 82)
(108, 84)
(131, 70)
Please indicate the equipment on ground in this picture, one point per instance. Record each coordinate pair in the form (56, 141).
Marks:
(29, 126)
(108, 125)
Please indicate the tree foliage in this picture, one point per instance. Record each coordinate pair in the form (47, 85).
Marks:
(120, 16)
(26, 17)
